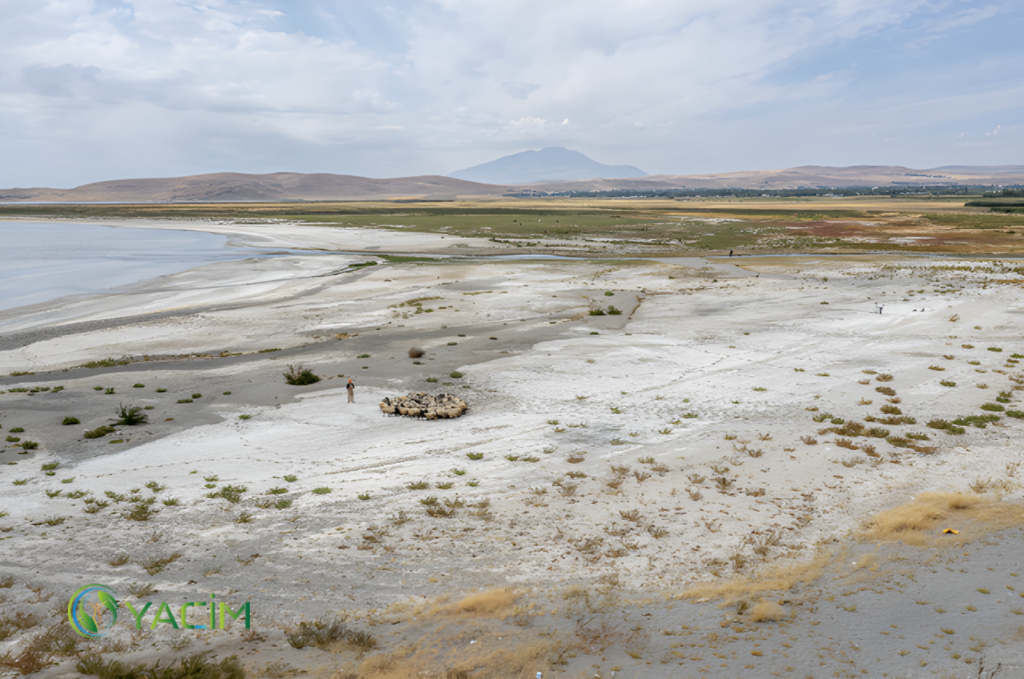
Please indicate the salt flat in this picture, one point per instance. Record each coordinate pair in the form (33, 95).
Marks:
(608, 464)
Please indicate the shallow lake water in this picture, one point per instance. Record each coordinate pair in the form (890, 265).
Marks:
(46, 260)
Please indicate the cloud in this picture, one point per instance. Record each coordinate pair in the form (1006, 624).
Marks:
(417, 86)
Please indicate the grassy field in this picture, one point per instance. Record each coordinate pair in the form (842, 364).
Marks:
(850, 224)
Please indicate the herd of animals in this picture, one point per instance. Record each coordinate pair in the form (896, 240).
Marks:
(420, 404)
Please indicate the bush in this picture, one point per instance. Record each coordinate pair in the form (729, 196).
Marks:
(71, 420)
(456, 375)
(596, 312)
(299, 376)
(131, 415)
(416, 352)
(138, 385)
(612, 311)
(993, 407)
(324, 634)
(99, 432)
(29, 445)
(193, 667)
(232, 494)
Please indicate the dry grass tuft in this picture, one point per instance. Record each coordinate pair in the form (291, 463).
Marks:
(510, 660)
(494, 603)
(779, 579)
(767, 611)
(920, 521)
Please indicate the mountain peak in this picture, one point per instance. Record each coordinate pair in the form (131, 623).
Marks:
(550, 164)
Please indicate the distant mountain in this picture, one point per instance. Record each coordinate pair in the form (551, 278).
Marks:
(224, 187)
(238, 187)
(547, 165)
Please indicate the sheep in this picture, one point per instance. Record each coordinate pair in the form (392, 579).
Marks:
(427, 406)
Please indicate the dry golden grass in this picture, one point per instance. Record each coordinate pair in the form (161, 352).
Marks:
(779, 579)
(921, 521)
(491, 660)
(767, 611)
(494, 603)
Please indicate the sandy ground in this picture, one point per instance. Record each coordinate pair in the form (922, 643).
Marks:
(607, 463)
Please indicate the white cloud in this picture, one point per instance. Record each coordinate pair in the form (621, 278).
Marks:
(420, 86)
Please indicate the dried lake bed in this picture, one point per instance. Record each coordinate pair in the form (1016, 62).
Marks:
(692, 487)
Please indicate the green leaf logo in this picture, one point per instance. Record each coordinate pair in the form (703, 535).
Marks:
(87, 611)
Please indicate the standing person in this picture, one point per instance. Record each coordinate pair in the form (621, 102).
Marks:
(351, 391)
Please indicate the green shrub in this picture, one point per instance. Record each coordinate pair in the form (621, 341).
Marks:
(947, 383)
(612, 311)
(363, 356)
(993, 407)
(277, 491)
(140, 511)
(299, 376)
(475, 456)
(197, 395)
(363, 496)
(108, 390)
(232, 494)
(184, 400)
(99, 432)
(161, 391)
(138, 385)
(17, 430)
(456, 375)
(29, 445)
(49, 466)
(1018, 414)
(431, 379)
(227, 393)
(245, 417)
(291, 478)
(978, 421)
(323, 490)
(131, 415)
(995, 349)
(13, 439)
(71, 420)
(596, 312)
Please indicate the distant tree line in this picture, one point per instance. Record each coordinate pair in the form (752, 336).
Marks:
(847, 191)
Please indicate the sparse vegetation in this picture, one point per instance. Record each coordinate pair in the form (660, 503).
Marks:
(131, 415)
(297, 375)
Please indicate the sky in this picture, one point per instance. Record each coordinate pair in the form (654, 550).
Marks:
(94, 90)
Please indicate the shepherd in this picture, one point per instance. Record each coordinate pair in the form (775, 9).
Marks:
(351, 391)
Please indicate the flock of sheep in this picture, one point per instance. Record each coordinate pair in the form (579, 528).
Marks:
(442, 406)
